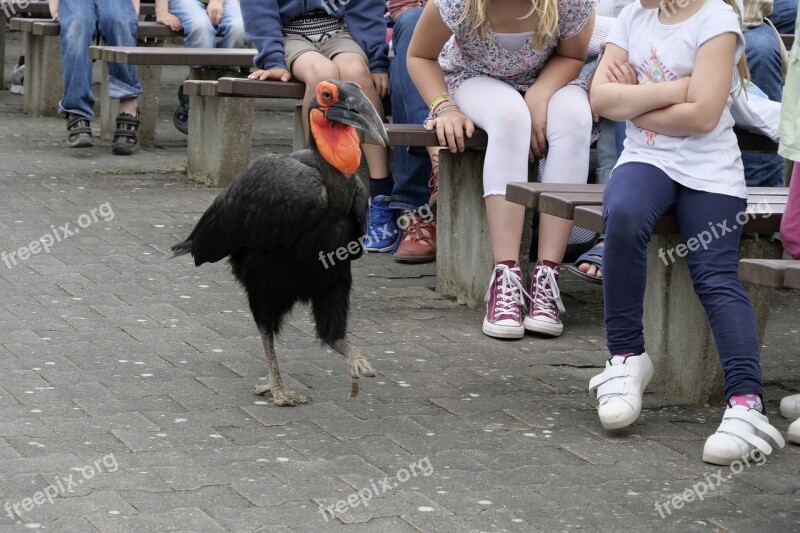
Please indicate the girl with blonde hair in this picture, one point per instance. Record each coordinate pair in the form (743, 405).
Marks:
(511, 67)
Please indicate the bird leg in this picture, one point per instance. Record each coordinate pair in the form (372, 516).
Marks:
(357, 364)
(281, 396)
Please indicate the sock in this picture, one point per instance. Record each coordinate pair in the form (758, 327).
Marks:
(381, 187)
(547, 263)
(625, 355)
(751, 401)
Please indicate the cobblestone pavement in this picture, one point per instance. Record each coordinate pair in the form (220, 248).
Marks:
(126, 384)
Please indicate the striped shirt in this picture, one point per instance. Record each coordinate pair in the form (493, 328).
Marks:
(396, 7)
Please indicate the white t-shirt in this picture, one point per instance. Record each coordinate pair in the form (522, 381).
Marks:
(659, 52)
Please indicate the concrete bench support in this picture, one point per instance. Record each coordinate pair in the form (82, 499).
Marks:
(464, 251)
(44, 84)
(677, 333)
(220, 138)
(2, 54)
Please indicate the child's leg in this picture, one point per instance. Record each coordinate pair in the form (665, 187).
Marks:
(569, 130)
(710, 219)
(499, 109)
(231, 28)
(311, 67)
(635, 198)
(78, 22)
(197, 27)
(118, 24)
(353, 67)
(790, 223)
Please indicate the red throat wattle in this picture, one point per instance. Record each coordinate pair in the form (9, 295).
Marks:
(337, 143)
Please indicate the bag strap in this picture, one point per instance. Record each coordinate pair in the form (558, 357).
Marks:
(784, 52)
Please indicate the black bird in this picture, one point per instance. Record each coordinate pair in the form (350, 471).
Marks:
(282, 221)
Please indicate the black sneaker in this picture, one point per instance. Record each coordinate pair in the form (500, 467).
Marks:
(181, 117)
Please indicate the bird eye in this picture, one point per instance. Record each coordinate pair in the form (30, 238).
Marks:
(327, 95)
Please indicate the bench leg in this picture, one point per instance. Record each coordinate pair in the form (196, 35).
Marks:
(463, 245)
(677, 332)
(220, 138)
(2, 52)
(150, 77)
(299, 137)
(44, 85)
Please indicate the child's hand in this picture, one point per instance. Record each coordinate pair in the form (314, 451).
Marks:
(381, 80)
(53, 9)
(538, 109)
(271, 74)
(450, 129)
(622, 72)
(214, 11)
(169, 20)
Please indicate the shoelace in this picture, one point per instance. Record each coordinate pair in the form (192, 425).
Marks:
(509, 291)
(546, 293)
(379, 214)
(433, 182)
(419, 230)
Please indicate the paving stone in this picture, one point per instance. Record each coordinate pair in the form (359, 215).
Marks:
(187, 519)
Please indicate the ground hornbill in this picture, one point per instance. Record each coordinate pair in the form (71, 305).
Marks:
(285, 212)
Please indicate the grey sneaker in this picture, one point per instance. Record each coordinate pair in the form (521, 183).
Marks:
(17, 79)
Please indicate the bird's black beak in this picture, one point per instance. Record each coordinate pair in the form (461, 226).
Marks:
(354, 109)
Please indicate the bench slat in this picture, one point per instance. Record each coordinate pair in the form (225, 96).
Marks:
(50, 28)
(179, 56)
(260, 89)
(591, 218)
(791, 279)
(765, 272)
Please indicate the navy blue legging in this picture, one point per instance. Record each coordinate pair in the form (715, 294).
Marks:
(636, 197)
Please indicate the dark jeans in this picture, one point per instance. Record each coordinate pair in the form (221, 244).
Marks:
(80, 22)
(634, 200)
(411, 172)
(784, 14)
(764, 61)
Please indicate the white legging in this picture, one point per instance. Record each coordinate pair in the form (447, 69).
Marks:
(498, 108)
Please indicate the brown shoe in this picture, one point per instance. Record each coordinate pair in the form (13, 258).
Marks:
(419, 243)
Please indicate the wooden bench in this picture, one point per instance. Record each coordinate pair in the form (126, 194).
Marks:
(216, 62)
(44, 85)
(677, 332)
(770, 273)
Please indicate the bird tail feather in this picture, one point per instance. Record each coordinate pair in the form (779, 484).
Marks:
(181, 248)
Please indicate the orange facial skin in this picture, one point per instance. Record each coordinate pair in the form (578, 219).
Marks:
(337, 143)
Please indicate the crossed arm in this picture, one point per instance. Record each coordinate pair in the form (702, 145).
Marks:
(688, 106)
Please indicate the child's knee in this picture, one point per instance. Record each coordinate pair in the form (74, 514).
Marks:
(320, 71)
(355, 68)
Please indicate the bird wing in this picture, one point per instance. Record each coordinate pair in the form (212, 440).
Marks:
(274, 201)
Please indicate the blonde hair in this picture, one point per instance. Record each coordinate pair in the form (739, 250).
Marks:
(476, 13)
(741, 67)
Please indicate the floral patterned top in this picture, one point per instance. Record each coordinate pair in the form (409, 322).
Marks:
(466, 55)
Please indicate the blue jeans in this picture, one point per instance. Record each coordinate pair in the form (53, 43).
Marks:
(784, 14)
(411, 172)
(764, 61)
(81, 20)
(634, 200)
(199, 31)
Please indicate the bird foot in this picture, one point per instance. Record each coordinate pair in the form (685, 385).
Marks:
(282, 396)
(358, 367)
